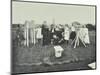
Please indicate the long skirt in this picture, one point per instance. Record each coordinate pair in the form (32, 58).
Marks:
(46, 40)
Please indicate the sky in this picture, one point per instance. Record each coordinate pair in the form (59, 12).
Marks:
(62, 14)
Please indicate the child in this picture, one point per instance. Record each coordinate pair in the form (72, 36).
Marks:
(66, 33)
(39, 34)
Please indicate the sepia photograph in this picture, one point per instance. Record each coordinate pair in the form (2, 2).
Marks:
(52, 37)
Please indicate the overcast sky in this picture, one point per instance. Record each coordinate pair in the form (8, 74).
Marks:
(62, 14)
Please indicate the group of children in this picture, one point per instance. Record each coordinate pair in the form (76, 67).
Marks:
(56, 35)
(52, 35)
(59, 34)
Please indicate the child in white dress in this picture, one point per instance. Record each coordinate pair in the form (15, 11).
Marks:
(66, 33)
(39, 34)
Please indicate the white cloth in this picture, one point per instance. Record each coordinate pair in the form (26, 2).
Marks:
(86, 39)
(39, 33)
(84, 35)
(81, 34)
(66, 33)
(58, 51)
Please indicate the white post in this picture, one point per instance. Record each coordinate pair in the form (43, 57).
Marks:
(76, 41)
(34, 36)
(27, 33)
(30, 28)
(32, 31)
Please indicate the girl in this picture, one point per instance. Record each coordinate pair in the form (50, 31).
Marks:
(66, 33)
(39, 34)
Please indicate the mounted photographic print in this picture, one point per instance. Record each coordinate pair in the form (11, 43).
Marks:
(52, 37)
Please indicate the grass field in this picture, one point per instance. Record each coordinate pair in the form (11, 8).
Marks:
(28, 60)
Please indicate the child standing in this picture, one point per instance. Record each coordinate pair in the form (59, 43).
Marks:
(66, 33)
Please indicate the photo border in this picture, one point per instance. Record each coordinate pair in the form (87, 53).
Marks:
(11, 68)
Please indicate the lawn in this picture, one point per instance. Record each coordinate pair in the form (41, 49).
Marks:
(32, 59)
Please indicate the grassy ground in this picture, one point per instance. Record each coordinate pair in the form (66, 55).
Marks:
(32, 59)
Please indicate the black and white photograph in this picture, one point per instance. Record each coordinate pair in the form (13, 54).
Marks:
(52, 37)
